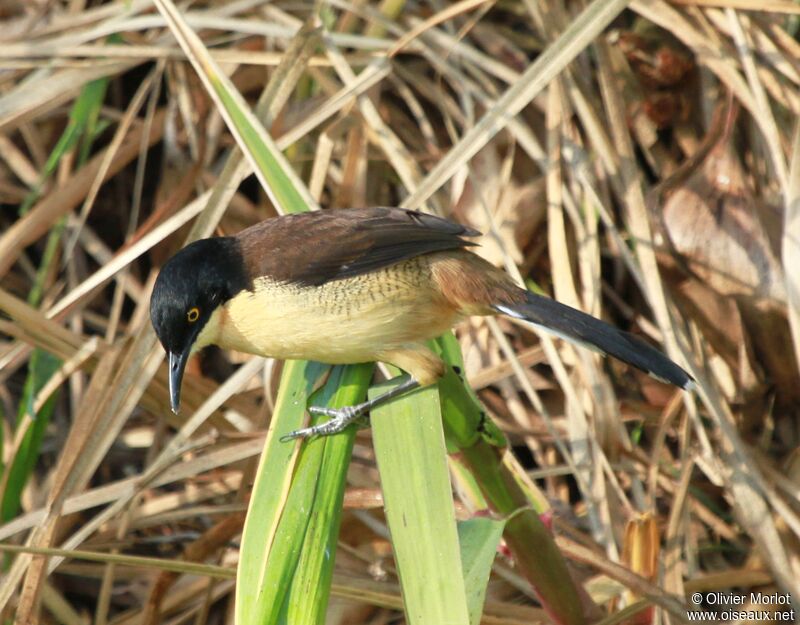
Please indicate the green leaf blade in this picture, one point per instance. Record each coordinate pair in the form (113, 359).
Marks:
(411, 454)
(479, 538)
(286, 566)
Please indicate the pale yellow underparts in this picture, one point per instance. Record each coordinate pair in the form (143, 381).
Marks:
(383, 315)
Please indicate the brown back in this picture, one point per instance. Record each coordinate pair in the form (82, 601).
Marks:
(316, 247)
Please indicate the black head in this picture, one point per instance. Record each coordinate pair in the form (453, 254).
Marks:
(190, 286)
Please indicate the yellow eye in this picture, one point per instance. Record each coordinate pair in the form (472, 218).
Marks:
(193, 314)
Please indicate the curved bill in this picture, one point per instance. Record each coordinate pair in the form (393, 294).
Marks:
(177, 364)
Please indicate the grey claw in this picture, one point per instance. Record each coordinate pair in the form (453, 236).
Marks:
(301, 433)
(340, 418)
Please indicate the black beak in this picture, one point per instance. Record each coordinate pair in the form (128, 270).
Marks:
(177, 364)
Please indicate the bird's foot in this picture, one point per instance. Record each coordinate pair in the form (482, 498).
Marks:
(340, 418)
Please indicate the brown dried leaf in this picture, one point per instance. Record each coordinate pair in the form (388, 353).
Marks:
(721, 325)
(714, 223)
(641, 549)
(517, 209)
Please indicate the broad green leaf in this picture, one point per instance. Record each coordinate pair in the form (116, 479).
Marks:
(479, 538)
(482, 450)
(286, 566)
(412, 460)
(311, 586)
(466, 421)
(271, 488)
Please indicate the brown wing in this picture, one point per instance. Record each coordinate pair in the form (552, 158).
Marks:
(317, 247)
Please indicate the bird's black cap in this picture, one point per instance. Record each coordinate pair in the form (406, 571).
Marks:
(189, 287)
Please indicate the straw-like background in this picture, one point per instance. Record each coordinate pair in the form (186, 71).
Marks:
(654, 181)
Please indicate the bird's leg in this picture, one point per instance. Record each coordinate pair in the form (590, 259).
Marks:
(340, 418)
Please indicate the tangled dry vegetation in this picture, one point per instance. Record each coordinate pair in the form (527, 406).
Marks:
(654, 182)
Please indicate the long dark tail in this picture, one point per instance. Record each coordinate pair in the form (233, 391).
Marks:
(578, 327)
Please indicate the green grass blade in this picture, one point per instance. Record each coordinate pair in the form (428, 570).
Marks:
(479, 538)
(276, 175)
(272, 482)
(411, 454)
(481, 447)
(41, 367)
(81, 129)
(311, 586)
(281, 560)
(81, 126)
(286, 566)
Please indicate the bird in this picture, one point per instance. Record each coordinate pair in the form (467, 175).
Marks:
(346, 286)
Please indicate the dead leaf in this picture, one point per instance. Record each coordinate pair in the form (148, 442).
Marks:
(714, 223)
